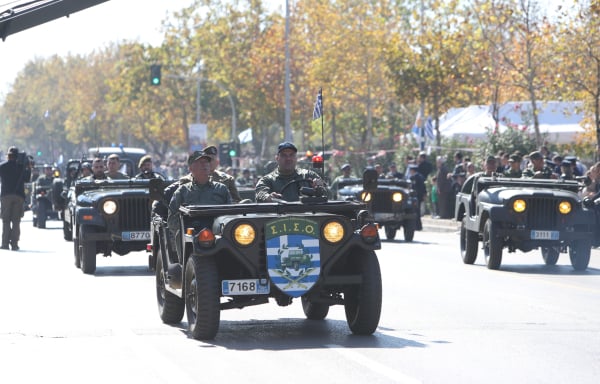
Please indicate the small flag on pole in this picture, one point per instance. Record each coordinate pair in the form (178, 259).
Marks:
(93, 115)
(245, 136)
(318, 110)
(47, 114)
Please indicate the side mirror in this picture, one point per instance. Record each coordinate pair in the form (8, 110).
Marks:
(370, 179)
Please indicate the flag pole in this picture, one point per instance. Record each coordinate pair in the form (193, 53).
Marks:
(322, 132)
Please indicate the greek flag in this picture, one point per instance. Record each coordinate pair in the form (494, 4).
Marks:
(318, 110)
(93, 115)
(429, 129)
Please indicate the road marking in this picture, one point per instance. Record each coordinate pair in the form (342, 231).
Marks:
(373, 365)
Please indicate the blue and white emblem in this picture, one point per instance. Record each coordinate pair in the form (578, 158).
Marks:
(293, 255)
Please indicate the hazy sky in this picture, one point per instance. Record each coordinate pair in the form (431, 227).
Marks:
(84, 31)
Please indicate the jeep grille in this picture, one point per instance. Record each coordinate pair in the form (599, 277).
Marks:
(542, 213)
(134, 213)
(382, 201)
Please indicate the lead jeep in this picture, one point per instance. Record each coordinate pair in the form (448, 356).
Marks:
(393, 204)
(106, 216)
(321, 252)
(524, 214)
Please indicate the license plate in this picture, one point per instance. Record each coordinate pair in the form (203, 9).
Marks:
(136, 236)
(245, 287)
(544, 235)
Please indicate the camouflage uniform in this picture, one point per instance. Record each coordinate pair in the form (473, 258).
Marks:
(275, 182)
(229, 182)
(545, 173)
(192, 193)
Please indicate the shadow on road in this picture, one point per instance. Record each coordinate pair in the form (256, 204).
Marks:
(111, 271)
(293, 334)
(543, 269)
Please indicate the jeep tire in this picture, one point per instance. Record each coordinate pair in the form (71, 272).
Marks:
(409, 226)
(468, 243)
(170, 307)
(314, 311)
(390, 232)
(362, 302)
(77, 252)
(88, 253)
(579, 252)
(67, 231)
(550, 255)
(492, 246)
(202, 297)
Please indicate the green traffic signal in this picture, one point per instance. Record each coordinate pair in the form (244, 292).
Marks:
(232, 153)
(155, 74)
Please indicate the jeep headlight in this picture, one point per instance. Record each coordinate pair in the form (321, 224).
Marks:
(333, 231)
(365, 196)
(564, 207)
(397, 197)
(109, 207)
(244, 234)
(519, 205)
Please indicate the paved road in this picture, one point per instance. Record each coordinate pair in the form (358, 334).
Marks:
(442, 322)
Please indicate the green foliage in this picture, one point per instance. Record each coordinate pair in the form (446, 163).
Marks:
(510, 140)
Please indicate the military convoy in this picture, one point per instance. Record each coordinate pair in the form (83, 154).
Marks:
(524, 214)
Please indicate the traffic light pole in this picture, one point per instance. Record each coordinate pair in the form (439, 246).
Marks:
(218, 84)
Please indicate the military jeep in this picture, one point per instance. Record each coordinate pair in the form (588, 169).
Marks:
(523, 214)
(106, 216)
(393, 204)
(321, 252)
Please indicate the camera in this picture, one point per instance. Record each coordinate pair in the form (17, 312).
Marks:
(23, 159)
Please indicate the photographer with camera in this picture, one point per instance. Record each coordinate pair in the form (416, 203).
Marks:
(13, 174)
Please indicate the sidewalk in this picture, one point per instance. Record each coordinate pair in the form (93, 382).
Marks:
(440, 225)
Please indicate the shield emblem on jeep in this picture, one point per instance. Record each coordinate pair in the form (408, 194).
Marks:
(293, 256)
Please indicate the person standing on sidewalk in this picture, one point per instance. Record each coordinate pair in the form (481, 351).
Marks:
(12, 197)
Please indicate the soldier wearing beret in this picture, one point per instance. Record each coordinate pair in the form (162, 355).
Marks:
(514, 167)
(221, 177)
(200, 191)
(278, 184)
(346, 174)
(538, 168)
(146, 172)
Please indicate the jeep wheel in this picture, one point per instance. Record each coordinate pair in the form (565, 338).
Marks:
(88, 254)
(409, 230)
(492, 246)
(579, 252)
(77, 252)
(390, 232)
(170, 306)
(550, 255)
(67, 232)
(202, 292)
(362, 303)
(468, 243)
(314, 311)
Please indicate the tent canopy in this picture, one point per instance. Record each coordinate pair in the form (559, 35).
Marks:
(560, 121)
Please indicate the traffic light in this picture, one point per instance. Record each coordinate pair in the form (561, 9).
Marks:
(234, 149)
(224, 154)
(155, 74)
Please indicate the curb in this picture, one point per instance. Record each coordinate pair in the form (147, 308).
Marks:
(440, 225)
